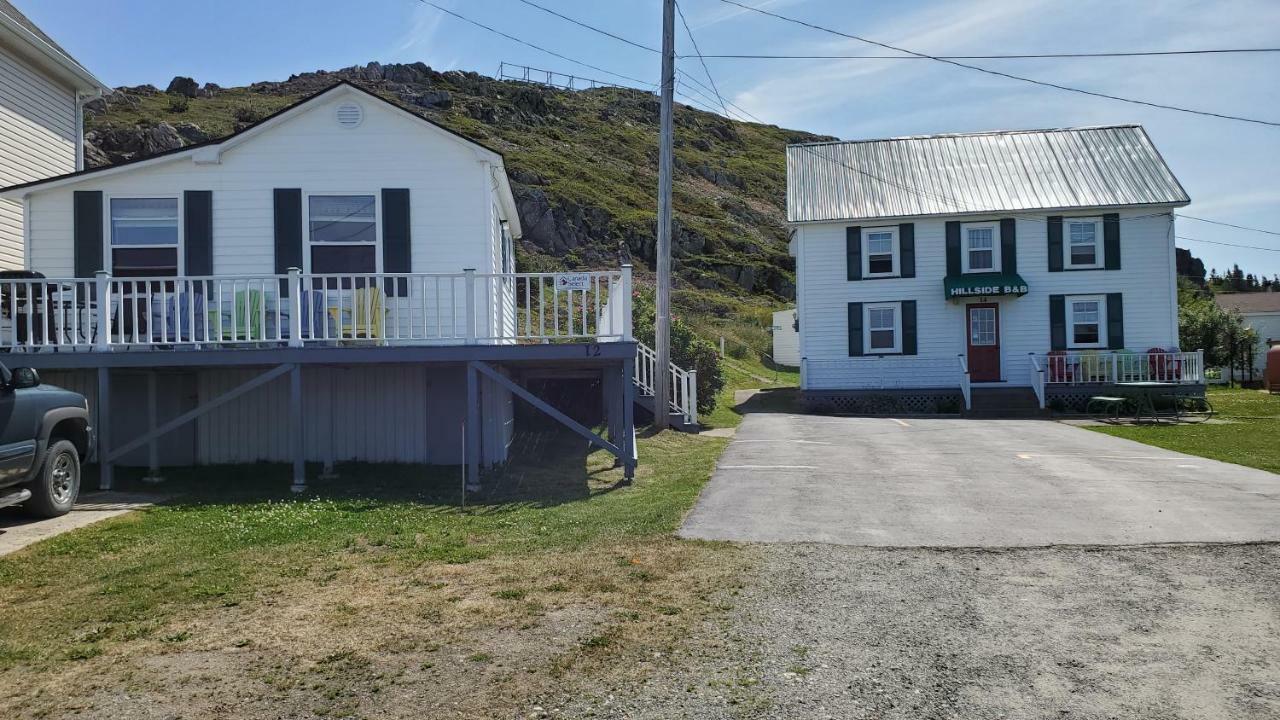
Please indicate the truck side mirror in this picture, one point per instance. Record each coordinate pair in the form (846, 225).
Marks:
(25, 377)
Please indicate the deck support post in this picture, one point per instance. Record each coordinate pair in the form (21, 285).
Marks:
(471, 429)
(102, 421)
(296, 447)
(153, 448)
(327, 472)
(628, 419)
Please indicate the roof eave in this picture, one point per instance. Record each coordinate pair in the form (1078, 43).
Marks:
(58, 63)
(998, 211)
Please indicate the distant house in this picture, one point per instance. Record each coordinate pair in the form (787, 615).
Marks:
(786, 338)
(1261, 311)
(334, 283)
(934, 270)
(42, 91)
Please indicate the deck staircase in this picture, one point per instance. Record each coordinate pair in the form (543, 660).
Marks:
(682, 407)
(1004, 402)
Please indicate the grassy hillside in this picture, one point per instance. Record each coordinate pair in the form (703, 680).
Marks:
(583, 166)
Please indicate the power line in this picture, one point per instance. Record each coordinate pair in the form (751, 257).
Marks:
(1026, 56)
(999, 73)
(1234, 245)
(535, 47)
(701, 59)
(1227, 224)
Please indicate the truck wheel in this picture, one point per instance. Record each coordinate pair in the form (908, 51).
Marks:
(56, 486)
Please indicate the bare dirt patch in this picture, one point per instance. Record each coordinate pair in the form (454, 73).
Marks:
(491, 638)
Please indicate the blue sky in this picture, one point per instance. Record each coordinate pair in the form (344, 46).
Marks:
(1229, 168)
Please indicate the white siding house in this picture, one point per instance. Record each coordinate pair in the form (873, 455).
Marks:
(345, 236)
(929, 266)
(1261, 311)
(42, 89)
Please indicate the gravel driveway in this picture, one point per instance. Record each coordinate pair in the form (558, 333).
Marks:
(971, 483)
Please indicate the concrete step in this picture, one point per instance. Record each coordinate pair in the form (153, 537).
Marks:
(1010, 402)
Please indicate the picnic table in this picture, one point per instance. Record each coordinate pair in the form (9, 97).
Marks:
(1144, 396)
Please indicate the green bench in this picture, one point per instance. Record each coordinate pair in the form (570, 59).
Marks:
(1105, 404)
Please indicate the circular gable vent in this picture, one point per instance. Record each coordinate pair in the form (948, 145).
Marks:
(349, 114)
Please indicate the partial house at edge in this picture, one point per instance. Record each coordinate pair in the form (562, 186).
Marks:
(932, 269)
(42, 92)
(1261, 311)
(354, 246)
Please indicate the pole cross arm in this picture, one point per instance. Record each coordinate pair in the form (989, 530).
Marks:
(545, 407)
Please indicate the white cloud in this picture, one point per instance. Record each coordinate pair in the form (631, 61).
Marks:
(418, 40)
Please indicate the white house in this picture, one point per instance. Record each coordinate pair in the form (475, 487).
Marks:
(42, 91)
(786, 338)
(354, 246)
(1025, 265)
(1261, 311)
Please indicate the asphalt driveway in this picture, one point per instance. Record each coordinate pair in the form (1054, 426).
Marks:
(971, 483)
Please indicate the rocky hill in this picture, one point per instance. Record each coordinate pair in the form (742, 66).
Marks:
(583, 166)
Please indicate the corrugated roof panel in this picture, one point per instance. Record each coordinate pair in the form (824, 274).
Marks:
(978, 173)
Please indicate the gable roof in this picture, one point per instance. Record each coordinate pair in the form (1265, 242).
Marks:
(217, 146)
(978, 173)
(29, 33)
(1251, 302)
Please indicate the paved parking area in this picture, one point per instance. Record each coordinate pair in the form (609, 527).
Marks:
(18, 531)
(971, 483)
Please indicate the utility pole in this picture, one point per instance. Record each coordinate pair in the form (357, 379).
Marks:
(662, 324)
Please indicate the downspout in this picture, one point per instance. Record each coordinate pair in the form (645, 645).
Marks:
(79, 131)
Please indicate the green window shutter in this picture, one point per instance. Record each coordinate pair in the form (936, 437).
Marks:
(1115, 321)
(853, 252)
(1055, 243)
(86, 225)
(396, 247)
(953, 249)
(908, 327)
(288, 232)
(855, 329)
(1009, 246)
(907, 248)
(1057, 322)
(197, 231)
(1111, 240)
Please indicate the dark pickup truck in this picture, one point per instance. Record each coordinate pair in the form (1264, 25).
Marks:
(44, 432)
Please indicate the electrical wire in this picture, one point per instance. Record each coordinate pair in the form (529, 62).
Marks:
(701, 59)
(998, 73)
(535, 47)
(1227, 224)
(1027, 56)
(1234, 245)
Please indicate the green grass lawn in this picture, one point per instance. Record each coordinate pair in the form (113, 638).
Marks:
(226, 566)
(744, 374)
(1249, 433)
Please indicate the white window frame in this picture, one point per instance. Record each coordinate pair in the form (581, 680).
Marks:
(306, 227)
(1070, 319)
(994, 227)
(897, 328)
(896, 252)
(1098, 243)
(108, 257)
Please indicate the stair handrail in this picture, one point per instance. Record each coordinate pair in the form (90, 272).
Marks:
(684, 383)
(965, 387)
(1037, 379)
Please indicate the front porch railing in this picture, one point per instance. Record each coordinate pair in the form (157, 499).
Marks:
(300, 309)
(1085, 368)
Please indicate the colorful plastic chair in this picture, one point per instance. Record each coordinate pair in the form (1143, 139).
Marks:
(364, 317)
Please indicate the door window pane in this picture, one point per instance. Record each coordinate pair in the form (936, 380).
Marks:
(982, 326)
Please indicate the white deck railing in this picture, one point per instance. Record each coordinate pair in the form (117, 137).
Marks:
(297, 310)
(1084, 368)
(683, 383)
(1037, 379)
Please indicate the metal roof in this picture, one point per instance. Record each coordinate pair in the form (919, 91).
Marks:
(978, 173)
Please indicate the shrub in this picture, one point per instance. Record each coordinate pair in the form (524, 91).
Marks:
(248, 114)
(178, 104)
(687, 350)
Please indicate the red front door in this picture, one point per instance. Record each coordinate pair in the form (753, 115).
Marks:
(984, 342)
